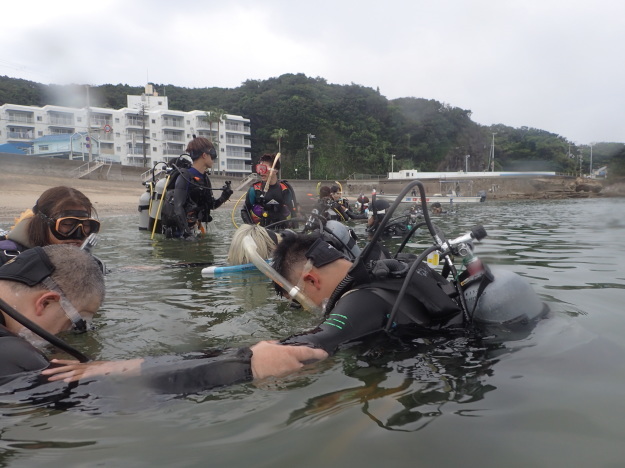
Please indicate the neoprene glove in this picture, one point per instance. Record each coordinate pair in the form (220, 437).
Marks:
(226, 194)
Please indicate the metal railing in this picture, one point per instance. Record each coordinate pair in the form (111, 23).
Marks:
(89, 167)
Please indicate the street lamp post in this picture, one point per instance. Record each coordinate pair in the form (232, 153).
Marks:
(309, 147)
(392, 160)
(590, 174)
(466, 163)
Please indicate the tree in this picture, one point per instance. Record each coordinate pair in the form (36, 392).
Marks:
(215, 115)
(279, 134)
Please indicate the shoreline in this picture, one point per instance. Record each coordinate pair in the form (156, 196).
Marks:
(109, 197)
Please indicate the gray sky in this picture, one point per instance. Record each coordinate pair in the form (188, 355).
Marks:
(556, 65)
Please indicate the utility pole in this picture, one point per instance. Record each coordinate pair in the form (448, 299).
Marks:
(309, 147)
(89, 145)
(492, 154)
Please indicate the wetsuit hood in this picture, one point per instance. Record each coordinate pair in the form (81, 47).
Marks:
(19, 233)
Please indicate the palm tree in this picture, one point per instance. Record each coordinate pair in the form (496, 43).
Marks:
(215, 115)
(278, 134)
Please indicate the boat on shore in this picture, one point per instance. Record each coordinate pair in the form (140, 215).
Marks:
(452, 195)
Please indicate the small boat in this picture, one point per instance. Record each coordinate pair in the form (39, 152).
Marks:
(451, 195)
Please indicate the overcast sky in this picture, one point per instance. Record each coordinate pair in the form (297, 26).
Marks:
(557, 65)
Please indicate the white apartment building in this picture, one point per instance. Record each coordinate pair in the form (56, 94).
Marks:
(143, 133)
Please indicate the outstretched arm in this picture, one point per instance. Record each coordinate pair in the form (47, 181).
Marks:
(267, 358)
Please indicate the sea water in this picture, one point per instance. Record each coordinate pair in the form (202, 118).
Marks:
(553, 397)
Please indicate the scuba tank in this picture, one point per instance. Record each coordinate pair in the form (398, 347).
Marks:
(144, 207)
(507, 300)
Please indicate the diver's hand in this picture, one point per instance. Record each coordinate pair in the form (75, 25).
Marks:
(272, 359)
(72, 371)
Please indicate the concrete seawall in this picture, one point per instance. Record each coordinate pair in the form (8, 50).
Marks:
(501, 188)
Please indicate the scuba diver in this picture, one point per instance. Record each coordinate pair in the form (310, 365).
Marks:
(362, 205)
(61, 215)
(54, 288)
(436, 208)
(398, 226)
(270, 200)
(189, 199)
(334, 209)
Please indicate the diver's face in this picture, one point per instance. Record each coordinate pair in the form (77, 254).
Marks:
(71, 226)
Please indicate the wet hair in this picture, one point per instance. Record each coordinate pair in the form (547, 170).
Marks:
(264, 239)
(334, 189)
(324, 191)
(51, 203)
(289, 253)
(198, 146)
(268, 158)
(76, 272)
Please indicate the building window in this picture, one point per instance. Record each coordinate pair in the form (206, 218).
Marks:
(153, 121)
(119, 148)
(79, 119)
(39, 118)
(43, 147)
(154, 148)
(116, 119)
(40, 133)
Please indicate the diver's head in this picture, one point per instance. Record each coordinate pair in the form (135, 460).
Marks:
(58, 287)
(311, 264)
(377, 212)
(202, 152)
(62, 215)
(325, 192)
(264, 239)
(436, 208)
(264, 167)
(336, 192)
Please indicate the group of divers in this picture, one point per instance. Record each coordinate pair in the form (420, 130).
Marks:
(51, 282)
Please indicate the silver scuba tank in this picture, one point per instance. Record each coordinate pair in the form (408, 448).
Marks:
(509, 299)
(144, 206)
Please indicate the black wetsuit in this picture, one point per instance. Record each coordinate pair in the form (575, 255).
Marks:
(17, 355)
(191, 200)
(176, 374)
(362, 308)
(276, 204)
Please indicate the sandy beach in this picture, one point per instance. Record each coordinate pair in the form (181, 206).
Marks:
(19, 192)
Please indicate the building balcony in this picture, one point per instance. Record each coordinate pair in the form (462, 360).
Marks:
(173, 136)
(173, 151)
(14, 118)
(67, 122)
(137, 151)
(21, 135)
(136, 122)
(171, 123)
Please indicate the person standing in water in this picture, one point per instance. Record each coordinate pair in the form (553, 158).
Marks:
(270, 200)
(189, 202)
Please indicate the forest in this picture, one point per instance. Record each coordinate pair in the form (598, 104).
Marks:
(352, 130)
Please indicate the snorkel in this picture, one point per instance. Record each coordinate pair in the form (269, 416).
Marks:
(293, 291)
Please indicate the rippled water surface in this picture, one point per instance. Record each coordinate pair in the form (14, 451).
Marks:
(553, 398)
